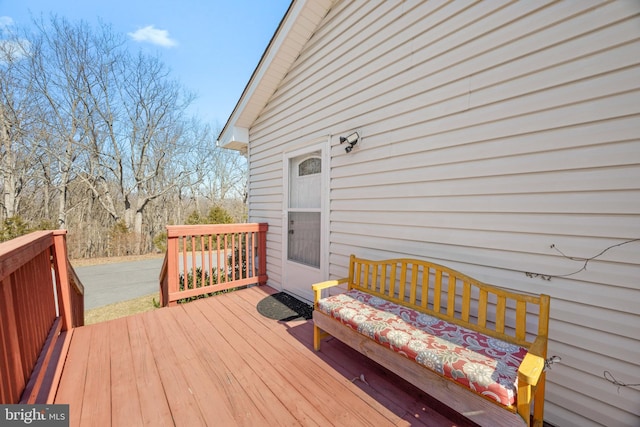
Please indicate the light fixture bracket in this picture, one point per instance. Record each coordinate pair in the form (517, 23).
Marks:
(351, 141)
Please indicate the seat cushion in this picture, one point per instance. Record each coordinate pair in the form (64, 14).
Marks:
(482, 363)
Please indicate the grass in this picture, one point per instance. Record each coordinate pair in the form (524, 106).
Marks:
(82, 262)
(120, 309)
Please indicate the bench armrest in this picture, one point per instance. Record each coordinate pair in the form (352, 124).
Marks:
(539, 346)
(532, 365)
(318, 287)
(530, 369)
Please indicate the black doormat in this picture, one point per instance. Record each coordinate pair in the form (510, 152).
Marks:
(284, 307)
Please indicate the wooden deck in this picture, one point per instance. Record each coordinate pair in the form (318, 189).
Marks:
(217, 361)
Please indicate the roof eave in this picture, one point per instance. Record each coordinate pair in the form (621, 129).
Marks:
(291, 36)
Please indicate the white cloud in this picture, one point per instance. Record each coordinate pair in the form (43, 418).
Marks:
(153, 35)
(14, 50)
(5, 22)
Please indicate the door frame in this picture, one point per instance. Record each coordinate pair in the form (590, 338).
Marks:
(323, 145)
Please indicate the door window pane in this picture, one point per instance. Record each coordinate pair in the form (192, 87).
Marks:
(310, 166)
(305, 182)
(304, 238)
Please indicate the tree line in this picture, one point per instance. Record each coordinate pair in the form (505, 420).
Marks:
(97, 138)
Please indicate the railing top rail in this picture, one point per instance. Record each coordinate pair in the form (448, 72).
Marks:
(203, 229)
(17, 252)
(165, 264)
(76, 283)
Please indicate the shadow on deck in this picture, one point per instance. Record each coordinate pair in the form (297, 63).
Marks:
(218, 361)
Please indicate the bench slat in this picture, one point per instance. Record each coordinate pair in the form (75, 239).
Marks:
(392, 283)
(374, 276)
(466, 300)
(482, 308)
(403, 281)
(451, 296)
(425, 287)
(501, 308)
(437, 291)
(366, 276)
(414, 284)
(521, 320)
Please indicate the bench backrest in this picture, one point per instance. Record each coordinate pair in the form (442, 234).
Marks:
(441, 291)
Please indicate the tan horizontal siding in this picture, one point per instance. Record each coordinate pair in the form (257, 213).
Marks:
(554, 224)
(491, 131)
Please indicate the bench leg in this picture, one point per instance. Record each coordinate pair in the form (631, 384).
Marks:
(317, 336)
(524, 402)
(538, 402)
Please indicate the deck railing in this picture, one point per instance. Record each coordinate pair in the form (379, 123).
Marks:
(204, 259)
(41, 301)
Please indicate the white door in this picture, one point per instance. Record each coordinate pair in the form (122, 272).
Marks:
(304, 230)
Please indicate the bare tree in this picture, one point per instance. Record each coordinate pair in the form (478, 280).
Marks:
(57, 56)
(151, 134)
(19, 124)
(99, 139)
(220, 174)
(116, 118)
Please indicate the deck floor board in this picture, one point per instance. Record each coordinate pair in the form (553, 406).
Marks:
(154, 407)
(96, 408)
(217, 361)
(124, 389)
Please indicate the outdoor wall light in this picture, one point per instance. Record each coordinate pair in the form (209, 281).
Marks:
(351, 140)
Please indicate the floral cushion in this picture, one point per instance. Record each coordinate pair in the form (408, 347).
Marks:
(482, 363)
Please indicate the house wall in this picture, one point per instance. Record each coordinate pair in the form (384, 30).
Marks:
(499, 139)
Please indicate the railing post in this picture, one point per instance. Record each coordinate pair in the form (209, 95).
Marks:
(262, 253)
(62, 279)
(172, 269)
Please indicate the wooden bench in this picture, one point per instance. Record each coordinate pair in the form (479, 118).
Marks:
(477, 348)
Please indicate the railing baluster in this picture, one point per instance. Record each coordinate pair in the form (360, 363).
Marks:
(248, 254)
(202, 280)
(210, 260)
(239, 267)
(218, 267)
(254, 255)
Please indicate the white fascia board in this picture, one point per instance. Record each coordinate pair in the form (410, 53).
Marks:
(258, 80)
(234, 138)
(273, 65)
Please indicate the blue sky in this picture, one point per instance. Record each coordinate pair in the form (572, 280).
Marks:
(211, 46)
